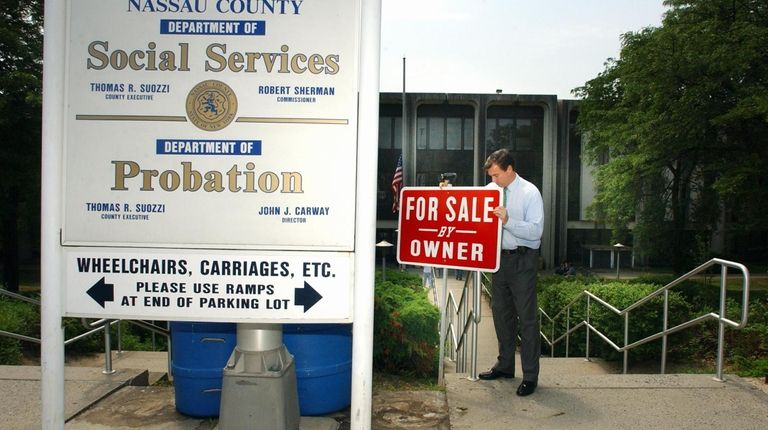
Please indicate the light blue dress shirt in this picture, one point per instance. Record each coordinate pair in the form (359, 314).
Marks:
(525, 209)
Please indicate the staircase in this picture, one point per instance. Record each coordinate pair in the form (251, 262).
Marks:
(577, 394)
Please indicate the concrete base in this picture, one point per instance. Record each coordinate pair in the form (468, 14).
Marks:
(258, 391)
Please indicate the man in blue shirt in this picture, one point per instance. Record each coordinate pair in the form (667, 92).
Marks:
(514, 302)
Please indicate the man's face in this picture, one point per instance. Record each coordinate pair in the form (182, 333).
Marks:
(501, 177)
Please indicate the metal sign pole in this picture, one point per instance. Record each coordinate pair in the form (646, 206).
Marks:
(365, 237)
(51, 330)
(443, 304)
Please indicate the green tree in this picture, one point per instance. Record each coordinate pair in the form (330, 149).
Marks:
(21, 70)
(682, 119)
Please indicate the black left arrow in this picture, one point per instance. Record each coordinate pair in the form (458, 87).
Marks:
(102, 292)
(306, 297)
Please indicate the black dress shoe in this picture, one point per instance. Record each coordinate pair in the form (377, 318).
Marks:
(495, 374)
(526, 388)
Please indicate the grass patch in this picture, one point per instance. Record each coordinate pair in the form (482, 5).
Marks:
(163, 382)
(389, 382)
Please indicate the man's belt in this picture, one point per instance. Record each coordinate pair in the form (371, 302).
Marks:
(519, 250)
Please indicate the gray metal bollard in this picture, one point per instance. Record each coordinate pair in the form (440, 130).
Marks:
(259, 383)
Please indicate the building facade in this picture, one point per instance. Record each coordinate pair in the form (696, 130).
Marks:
(456, 132)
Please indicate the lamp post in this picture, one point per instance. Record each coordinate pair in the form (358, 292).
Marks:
(618, 247)
(384, 245)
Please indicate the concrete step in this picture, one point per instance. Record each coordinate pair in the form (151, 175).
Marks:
(83, 386)
(155, 362)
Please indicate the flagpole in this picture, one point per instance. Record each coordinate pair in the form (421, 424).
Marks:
(404, 129)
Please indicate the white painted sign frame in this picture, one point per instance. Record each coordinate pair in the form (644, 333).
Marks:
(52, 251)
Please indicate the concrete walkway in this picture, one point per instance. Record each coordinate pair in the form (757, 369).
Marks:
(119, 401)
(572, 394)
(87, 386)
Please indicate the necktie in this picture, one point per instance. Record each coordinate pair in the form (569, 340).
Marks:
(505, 196)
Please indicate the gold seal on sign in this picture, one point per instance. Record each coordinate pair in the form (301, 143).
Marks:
(211, 105)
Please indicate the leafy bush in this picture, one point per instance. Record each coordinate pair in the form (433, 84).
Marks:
(405, 327)
(132, 338)
(24, 318)
(90, 344)
(19, 318)
(406, 279)
(644, 321)
(747, 348)
(135, 338)
(554, 295)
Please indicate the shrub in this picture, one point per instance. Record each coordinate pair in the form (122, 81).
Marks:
(554, 295)
(19, 318)
(91, 344)
(135, 338)
(644, 321)
(747, 348)
(132, 338)
(405, 279)
(24, 318)
(405, 327)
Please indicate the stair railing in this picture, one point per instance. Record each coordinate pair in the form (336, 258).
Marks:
(94, 327)
(720, 316)
(463, 319)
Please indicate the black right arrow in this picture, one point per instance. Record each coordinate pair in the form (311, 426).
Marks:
(102, 292)
(306, 297)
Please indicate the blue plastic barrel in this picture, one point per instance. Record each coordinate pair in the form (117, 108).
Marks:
(199, 352)
(322, 354)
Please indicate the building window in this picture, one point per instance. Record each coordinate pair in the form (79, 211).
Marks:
(421, 133)
(444, 143)
(390, 146)
(385, 132)
(574, 168)
(436, 136)
(521, 130)
(468, 126)
(453, 135)
(390, 132)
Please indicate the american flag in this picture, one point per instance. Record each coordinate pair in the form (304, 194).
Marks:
(397, 184)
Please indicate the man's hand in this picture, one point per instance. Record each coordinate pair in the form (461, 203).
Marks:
(501, 213)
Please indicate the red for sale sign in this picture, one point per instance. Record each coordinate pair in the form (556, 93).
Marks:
(450, 227)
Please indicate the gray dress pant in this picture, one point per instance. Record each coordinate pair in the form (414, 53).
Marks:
(514, 307)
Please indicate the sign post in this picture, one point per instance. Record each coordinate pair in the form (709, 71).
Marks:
(450, 227)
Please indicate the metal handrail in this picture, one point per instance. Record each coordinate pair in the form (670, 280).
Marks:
(464, 315)
(666, 331)
(94, 327)
(19, 337)
(19, 297)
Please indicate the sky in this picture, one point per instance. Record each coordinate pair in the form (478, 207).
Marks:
(518, 46)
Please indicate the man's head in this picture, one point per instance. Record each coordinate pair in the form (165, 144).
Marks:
(500, 166)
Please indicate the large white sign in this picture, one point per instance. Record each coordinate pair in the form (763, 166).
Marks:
(210, 151)
(214, 124)
(197, 285)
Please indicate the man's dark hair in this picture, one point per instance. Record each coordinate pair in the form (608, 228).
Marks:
(501, 157)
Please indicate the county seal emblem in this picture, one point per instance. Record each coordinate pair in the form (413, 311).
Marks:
(211, 105)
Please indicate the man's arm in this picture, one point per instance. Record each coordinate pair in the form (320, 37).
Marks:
(531, 226)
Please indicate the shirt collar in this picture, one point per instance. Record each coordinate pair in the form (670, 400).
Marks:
(513, 183)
